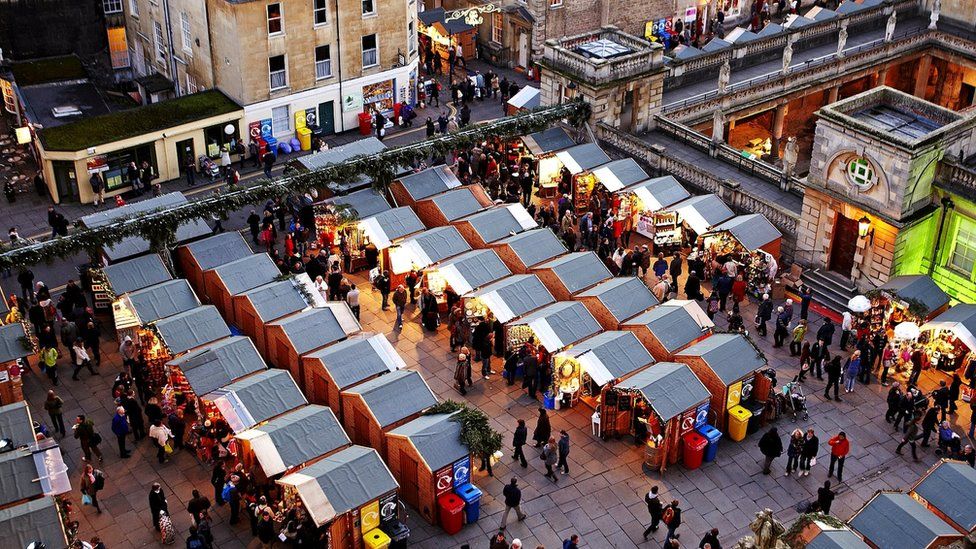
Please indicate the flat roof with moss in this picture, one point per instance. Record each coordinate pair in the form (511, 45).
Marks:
(117, 126)
(52, 69)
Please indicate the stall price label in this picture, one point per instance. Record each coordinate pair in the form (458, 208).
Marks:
(462, 471)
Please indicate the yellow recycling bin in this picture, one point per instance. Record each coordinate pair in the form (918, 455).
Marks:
(305, 138)
(738, 422)
(376, 539)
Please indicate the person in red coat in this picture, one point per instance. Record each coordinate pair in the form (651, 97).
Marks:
(839, 448)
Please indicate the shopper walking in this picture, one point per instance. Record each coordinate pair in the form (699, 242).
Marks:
(92, 480)
(54, 406)
(513, 500)
(763, 315)
(518, 441)
(84, 429)
(542, 428)
(771, 447)
(157, 503)
(781, 331)
(563, 447)
(808, 455)
(120, 428)
(909, 438)
(671, 516)
(654, 508)
(839, 448)
(550, 458)
(851, 369)
(81, 359)
(796, 339)
(894, 401)
(833, 378)
(382, 283)
(399, 302)
(793, 452)
(930, 422)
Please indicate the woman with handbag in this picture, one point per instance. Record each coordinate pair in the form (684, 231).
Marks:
(161, 435)
(92, 480)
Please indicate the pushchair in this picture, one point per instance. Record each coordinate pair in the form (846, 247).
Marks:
(796, 402)
(208, 167)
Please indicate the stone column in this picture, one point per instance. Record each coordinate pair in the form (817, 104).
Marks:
(922, 76)
(833, 94)
(776, 130)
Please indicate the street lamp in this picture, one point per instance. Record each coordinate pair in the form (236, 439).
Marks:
(864, 229)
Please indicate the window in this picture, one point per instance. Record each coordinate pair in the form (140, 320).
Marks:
(158, 42)
(215, 139)
(279, 75)
(963, 256)
(280, 120)
(134, 8)
(185, 29)
(860, 173)
(274, 19)
(319, 12)
(323, 62)
(368, 7)
(497, 20)
(111, 6)
(371, 56)
(411, 38)
(555, 3)
(118, 47)
(191, 84)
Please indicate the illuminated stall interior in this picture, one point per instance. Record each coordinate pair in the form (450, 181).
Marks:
(338, 220)
(610, 178)
(950, 339)
(543, 146)
(217, 364)
(291, 440)
(643, 200)
(749, 240)
(338, 367)
(678, 226)
(237, 277)
(471, 270)
(528, 249)
(614, 301)
(195, 258)
(509, 298)
(134, 311)
(571, 273)
(255, 399)
(494, 224)
(916, 299)
(580, 160)
(670, 327)
(581, 372)
(407, 190)
(553, 327)
(446, 34)
(15, 347)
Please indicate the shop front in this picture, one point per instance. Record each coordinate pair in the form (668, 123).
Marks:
(571, 273)
(444, 35)
(494, 224)
(543, 146)
(337, 368)
(373, 408)
(508, 299)
(338, 225)
(642, 202)
(196, 258)
(15, 347)
(615, 301)
(608, 179)
(670, 327)
(579, 162)
(253, 400)
(949, 340)
(678, 226)
(552, 328)
(581, 372)
(447, 207)
(408, 190)
(289, 338)
(229, 280)
(255, 309)
(752, 242)
(135, 311)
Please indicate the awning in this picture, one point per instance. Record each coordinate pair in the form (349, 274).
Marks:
(610, 355)
(436, 437)
(578, 270)
(583, 158)
(514, 296)
(548, 141)
(247, 273)
(703, 212)
(365, 203)
(918, 288)
(619, 174)
(429, 182)
(36, 521)
(818, 13)
(458, 203)
(670, 388)
(561, 324)
(27, 473)
(526, 98)
(136, 274)
(395, 396)
(501, 222)
(385, 227)
(960, 320)
(472, 270)
(675, 323)
(794, 21)
(623, 296)
(740, 35)
(341, 482)
(279, 299)
(16, 424)
(192, 328)
(436, 17)
(753, 231)
(731, 356)
(294, 438)
(949, 487)
(257, 398)
(12, 338)
(162, 300)
(427, 248)
(716, 44)
(358, 358)
(535, 246)
(852, 6)
(213, 366)
(895, 520)
(210, 253)
(658, 193)
(314, 328)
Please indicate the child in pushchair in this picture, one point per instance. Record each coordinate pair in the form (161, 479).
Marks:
(796, 402)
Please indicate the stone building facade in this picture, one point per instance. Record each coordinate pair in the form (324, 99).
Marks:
(178, 50)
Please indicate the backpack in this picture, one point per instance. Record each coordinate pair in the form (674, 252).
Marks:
(226, 492)
(99, 480)
(668, 515)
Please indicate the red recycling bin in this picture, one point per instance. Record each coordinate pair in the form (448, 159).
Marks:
(396, 110)
(365, 123)
(694, 449)
(262, 147)
(452, 512)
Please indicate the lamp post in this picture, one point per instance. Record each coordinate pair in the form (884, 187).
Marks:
(864, 229)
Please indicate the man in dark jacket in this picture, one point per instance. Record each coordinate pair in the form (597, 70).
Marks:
(513, 500)
(826, 332)
(771, 447)
(724, 287)
(693, 287)
(654, 508)
(764, 314)
(893, 400)
(518, 441)
(833, 369)
(711, 540)
(929, 424)
(672, 519)
(382, 284)
(825, 497)
(563, 446)
(530, 379)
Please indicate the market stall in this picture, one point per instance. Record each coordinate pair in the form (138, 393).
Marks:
(134, 246)
(571, 273)
(525, 250)
(494, 224)
(426, 249)
(525, 99)
(643, 200)
(830, 537)
(679, 225)
(581, 372)
(543, 146)
(670, 327)
(410, 189)
(347, 510)
(950, 340)
(38, 522)
(255, 309)
(339, 367)
(32, 472)
(14, 350)
(752, 242)
(580, 160)
(423, 455)
(295, 335)
(16, 424)
(471, 270)
(441, 209)
(447, 34)
(209, 253)
(911, 298)
(658, 406)
(947, 491)
(616, 175)
(896, 520)
(367, 146)
(339, 224)
(236, 277)
(509, 298)
(291, 440)
(175, 335)
(382, 404)
(254, 399)
(553, 327)
(133, 312)
(112, 281)
(616, 300)
(217, 364)
(728, 365)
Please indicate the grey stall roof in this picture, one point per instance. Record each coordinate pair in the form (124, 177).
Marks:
(211, 367)
(275, 300)
(11, 347)
(436, 16)
(429, 182)
(616, 354)
(670, 388)
(753, 231)
(960, 319)
(950, 487)
(436, 437)
(623, 296)
(497, 223)
(264, 395)
(136, 274)
(919, 288)
(731, 356)
(366, 203)
(578, 270)
(659, 192)
(15, 424)
(837, 539)
(896, 521)
(620, 173)
(311, 329)
(17, 474)
(219, 249)
(395, 396)
(457, 203)
(192, 328)
(528, 97)
(583, 157)
(535, 246)
(301, 435)
(32, 521)
(163, 300)
(560, 324)
(703, 211)
(770, 30)
(548, 141)
(435, 245)
(247, 273)
(472, 270)
(336, 155)
(358, 358)
(716, 44)
(685, 52)
(394, 224)
(515, 296)
(673, 326)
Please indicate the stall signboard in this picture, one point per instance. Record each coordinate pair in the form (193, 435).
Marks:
(735, 395)
(97, 164)
(691, 13)
(388, 511)
(645, 224)
(369, 516)
(687, 421)
(443, 481)
(254, 130)
(379, 96)
(462, 471)
(701, 415)
(267, 129)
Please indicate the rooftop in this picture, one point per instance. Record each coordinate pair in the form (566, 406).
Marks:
(51, 69)
(80, 97)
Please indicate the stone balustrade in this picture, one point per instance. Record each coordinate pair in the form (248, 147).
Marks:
(561, 56)
(956, 177)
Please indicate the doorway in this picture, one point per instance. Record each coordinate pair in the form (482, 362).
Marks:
(65, 180)
(184, 154)
(523, 50)
(409, 489)
(627, 112)
(327, 118)
(843, 246)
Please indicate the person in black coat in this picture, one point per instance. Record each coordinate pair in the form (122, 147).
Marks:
(157, 503)
(711, 540)
(771, 447)
(672, 518)
(811, 446)
(654, 508)
(530, 375)
(693, 287)
(893, 400)
(833, 378)
(825, 497)
(826, 332)
(930, 422)
(543, 430)
(254, 222)
(518, 441)
(954, 392)
(763, 315)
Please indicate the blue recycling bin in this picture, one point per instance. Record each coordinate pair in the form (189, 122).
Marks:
(472, 501)
(548, 400)
(712, 435)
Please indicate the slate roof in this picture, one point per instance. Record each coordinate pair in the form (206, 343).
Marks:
(136, 274)
(620, 173)
(581, 158)
(457, 203)
(659, 192)
(296, 437)
(548, 141)
(535, 246)
(262, 396)
(163, 300)
(514, 296)
(950, 487)
(610, 355)
(275, 300)
(437, 439)
(473, 269)
(703, 211)
(15, 423)
(896, 521)
(495, 224)
(193, 328)
(358, 358)
(435, 245)
(366, 203)
(578, 270)
(753, 231)
(220, 363)
(672, 325)
(247, 273)
(429, 182)
(919, 288)
(11, 347)
(385, 227)
(670, 388)
(219, 249)
(32, 521)
(308, 330)
(731, 356)
(395, 396)
(623, 296)
(17, 474)
(837, 539)
(560, 324)
(336, 155)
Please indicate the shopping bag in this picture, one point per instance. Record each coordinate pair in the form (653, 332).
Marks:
(86, 499)
(813, 461)
(168, 447)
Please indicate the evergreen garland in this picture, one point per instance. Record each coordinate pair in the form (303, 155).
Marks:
(476, 433)
(159, 227)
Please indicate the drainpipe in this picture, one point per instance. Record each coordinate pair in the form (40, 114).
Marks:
(174, 73)
(342, 120)
(947, 204)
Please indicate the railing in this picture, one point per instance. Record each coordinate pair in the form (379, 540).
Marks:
(957, 176)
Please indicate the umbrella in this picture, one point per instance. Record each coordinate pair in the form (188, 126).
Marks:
(859, 304)
(907, 330)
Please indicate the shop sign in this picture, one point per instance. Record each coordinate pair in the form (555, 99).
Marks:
(369, 516)
(388, 510)
(352, 102)
(443, 481)
(645, 224)
(735, 395)
(97, 164)
(311, 118)
(691, 13)
(254, 130)
(379, 96)
(701, 415)
(687, 422)
(462, 471)
(266, 129)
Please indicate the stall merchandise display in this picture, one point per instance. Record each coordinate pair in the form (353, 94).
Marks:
(518, 335)
(102, 297)
(583, 186)
(153, 354)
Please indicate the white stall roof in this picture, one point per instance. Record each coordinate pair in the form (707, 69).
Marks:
(703, 212)
(583, 158)
(526, 98)
(753, 231)
(658, 193)
(295, 437)
(561, 324)
(385, 227)
(514, 296)
(610, 355)
(619, 174)
(960, 320)
(472, 270)
(427, 248)
(501, 222)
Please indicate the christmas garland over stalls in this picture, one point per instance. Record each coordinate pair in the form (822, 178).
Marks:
(476, 433)
(159, 227)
